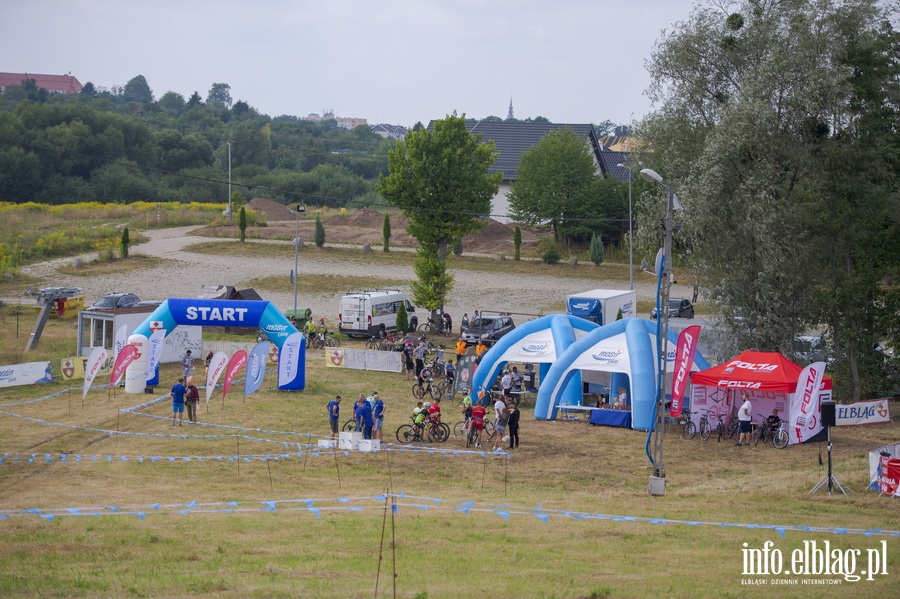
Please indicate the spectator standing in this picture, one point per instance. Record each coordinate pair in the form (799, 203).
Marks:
(178, 392)
(513, 426)
(500, 424)
(187, 366)
(364, 412)
(506, 385)
(420, 358)
(378, 416)
(461, 346)
(192, 401)
(448, 324)
(357, 416)
(408, 360)
(463, 323)
(334, 414)
(516, 379)
(450, 373)
(744, 417)
(478, 414)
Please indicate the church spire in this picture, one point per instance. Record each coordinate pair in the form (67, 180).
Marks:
(510, 116)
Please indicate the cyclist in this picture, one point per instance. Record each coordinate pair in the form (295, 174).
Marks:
(478, 413)
(773, 422)
(450, 373)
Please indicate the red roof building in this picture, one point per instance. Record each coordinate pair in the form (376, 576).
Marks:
(55, 84)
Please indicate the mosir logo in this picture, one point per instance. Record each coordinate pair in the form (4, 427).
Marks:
(275, 328)
(608, 356)
(581, 305)
(537, 349)
(627, 308)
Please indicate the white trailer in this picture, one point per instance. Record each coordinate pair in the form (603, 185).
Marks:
(602, 305)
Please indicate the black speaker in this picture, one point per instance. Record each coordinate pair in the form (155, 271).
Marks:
(829, 414)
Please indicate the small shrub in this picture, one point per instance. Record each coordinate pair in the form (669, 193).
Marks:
(124, 243)
(596, 249)
(402, 318)
(549, 252)
(517, 242)
(320, 232)
(457, 247)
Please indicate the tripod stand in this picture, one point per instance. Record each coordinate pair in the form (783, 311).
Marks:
(829, 479)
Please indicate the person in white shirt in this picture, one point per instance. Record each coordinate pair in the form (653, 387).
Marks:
(744, 417)
(506, 384)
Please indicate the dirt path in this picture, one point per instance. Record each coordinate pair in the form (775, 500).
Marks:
(184, 272)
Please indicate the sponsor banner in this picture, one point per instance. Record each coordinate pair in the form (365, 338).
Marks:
(863, 412)
(156, 346)
(256, 367)
(128, 355)
(74, 367)
(289, 360)
(29, 373)
(334, 358)
(238, 361)
(92, 368)
(804, 418)
(685, 350)
(889, 480)
(465, 370)
(121, 341)
(216, 368)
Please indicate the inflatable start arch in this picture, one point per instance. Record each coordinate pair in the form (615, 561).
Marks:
(216, 312)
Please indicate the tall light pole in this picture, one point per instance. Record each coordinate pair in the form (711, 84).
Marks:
(664, 268)
(228, 143)
(630, 232)
(300, 209)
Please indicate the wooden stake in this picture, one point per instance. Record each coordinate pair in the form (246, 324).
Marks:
(336, 466)
(238, 455)
(484, 472)
(269, 466)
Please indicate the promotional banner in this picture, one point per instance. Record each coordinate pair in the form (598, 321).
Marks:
(92, 367)
(289, 359)
(26, 374)
(156, 345)
(128, 355)
(863, 412)
(804, 418)
(216, 368)
(685, 350)
(256, 367)
(238, 361)
(75, 367)
(121, 340)
(889, 481)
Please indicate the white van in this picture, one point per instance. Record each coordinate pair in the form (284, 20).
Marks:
(374, 313)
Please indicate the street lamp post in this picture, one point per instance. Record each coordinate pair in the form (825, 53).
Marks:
(297, 251)
(229, 179)
(664, 268)
(630, 232)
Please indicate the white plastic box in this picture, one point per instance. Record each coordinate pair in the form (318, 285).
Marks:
(348, 440)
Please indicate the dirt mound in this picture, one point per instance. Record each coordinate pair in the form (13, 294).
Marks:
(366, 218)
(273, 210)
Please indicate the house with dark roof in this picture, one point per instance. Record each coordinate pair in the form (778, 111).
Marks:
(55, 84)
(513, 138)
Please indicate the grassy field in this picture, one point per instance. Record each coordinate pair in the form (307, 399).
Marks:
(241, 506)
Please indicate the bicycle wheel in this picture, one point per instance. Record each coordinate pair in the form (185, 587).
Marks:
(446, 429)
(404, 433)
(470, 438)
(732, 428)
(372, 343)
(418, 391)
(438, 434)
(760, 435)
(435, 391)
(689, 430)
(704, 430)
(489, 428)
(349, 426)
(449, 390)
(720, 431)
(332, 341)
(459, 428)
(780, 439)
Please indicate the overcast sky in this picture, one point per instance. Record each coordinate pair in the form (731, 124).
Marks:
(393, 61)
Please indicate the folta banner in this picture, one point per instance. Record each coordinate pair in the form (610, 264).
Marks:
(216, 368)
(128, 355)
(256, 367)
(685, 351)
(889, 481)
(289, 359)
(92, 367)
(805, 414)
(238, 361)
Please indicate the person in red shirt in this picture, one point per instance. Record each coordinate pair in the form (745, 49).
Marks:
(434, 416)
(478, 414)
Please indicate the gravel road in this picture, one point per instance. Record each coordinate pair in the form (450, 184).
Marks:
(184, 272)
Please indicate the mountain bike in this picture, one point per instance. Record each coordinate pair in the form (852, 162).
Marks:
(430, 387)
(430, 327)
(778, 435)
(689, 429)
(705, 430)
(323, 340)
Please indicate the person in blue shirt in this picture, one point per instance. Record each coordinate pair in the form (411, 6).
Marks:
(364, 414)
(334, 414)
(378, 416)
(357, 415)
(450, 373)
(178, 392)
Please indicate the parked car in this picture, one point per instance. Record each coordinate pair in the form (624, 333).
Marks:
(487, 328)
(678, 308)
(115, 300)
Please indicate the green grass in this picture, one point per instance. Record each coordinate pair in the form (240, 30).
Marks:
(288, 553)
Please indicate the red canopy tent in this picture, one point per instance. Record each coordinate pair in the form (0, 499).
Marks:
(765, 371)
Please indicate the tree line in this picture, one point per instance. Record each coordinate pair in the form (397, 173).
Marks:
(122, 145)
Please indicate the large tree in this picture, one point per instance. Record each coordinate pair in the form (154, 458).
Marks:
(438, 177)
(219, 95)
(757, 104)
(138, 90)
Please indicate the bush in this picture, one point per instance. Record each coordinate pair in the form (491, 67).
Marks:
(320, 232)
(457, 247)
(402, 318)
(596, 249)
(549, 252)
